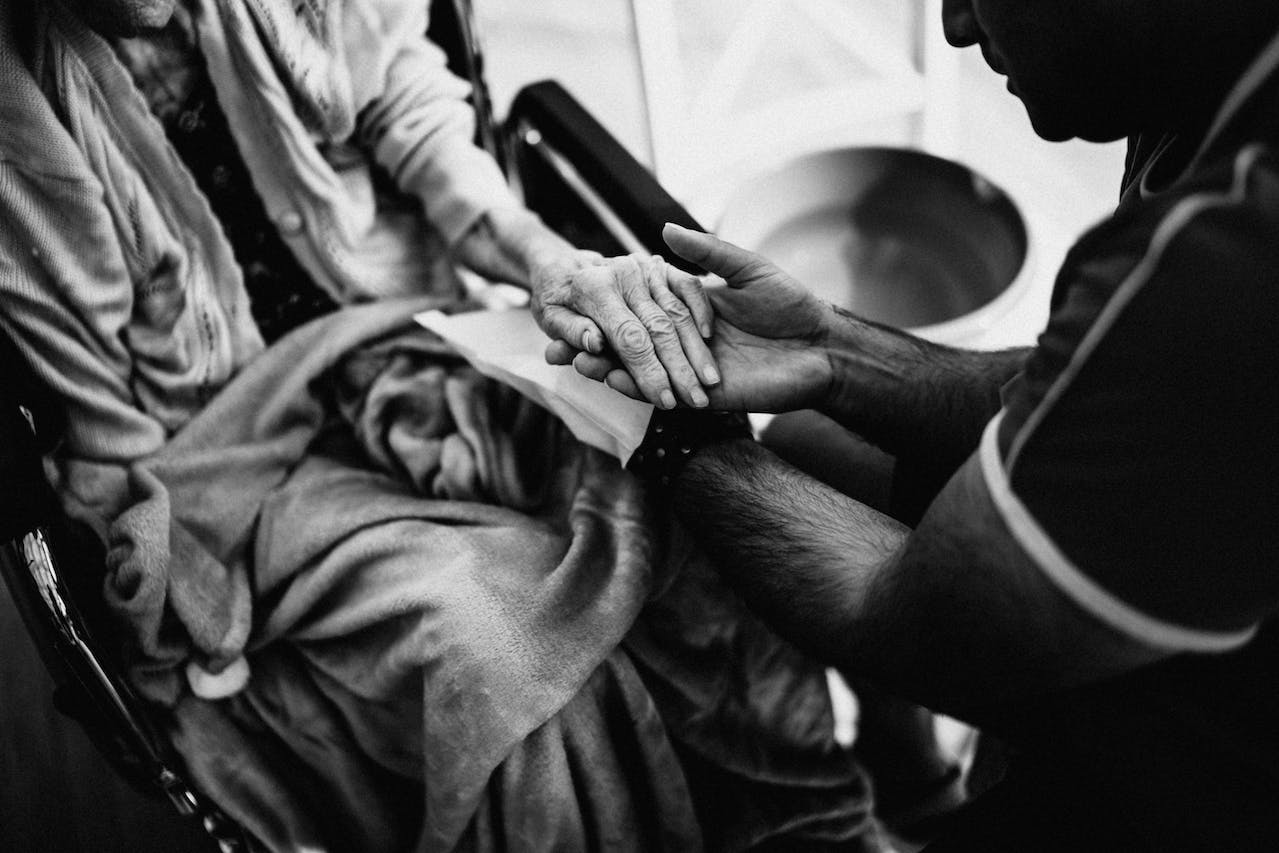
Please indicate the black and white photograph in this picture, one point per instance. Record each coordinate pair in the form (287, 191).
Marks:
(651, 426)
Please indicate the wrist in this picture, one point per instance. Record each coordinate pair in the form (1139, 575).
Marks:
(512, 244)
(827, 342)
(868, 364)
(677, 436)
(536, 244)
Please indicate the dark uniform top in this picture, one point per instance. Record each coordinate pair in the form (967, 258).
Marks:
(1136, 461)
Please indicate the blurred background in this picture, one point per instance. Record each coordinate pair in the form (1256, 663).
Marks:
(713, 93)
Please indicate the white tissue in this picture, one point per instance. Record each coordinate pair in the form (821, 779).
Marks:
(509, 347)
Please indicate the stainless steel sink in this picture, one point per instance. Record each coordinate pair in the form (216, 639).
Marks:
(893, 234)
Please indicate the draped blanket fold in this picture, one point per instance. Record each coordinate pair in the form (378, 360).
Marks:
(507, 581)
(433, 585)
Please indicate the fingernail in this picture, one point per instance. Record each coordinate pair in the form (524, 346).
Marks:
(586, 340)
(700, 400)
(711, 374)
(707, 331)
(668, 400)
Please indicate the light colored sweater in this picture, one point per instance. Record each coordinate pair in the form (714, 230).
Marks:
(117, 282)
(338, 88)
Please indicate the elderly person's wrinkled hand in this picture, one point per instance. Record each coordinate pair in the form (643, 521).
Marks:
(651, 318)
(767, 332)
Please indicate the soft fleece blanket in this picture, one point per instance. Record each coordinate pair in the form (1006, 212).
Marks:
(432, 582)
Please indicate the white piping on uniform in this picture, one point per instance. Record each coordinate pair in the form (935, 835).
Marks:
(1172, 224)
(1245, 88)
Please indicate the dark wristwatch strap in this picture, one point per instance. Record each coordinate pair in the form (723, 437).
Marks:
(674, 437)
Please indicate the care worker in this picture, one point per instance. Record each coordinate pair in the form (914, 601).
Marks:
(1097, 579)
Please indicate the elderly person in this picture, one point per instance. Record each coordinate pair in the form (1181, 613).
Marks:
(384, 603)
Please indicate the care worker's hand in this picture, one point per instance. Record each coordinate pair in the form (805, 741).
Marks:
(650, 321)
(768, 332)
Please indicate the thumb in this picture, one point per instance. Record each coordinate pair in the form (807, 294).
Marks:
(732, 263)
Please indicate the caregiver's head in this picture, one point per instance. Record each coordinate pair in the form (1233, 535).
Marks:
(1104, 69)
(123, 17)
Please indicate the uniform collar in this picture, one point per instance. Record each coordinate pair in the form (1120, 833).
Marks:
(1248, 113)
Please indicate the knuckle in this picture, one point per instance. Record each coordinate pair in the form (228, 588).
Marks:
(690, 289)
(677, 311)
(659, 325)
(553, 324)
(632, 339)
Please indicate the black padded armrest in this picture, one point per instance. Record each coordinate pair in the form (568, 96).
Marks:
(52, 568)
(23, 494)
(30, 424)
(629, 189)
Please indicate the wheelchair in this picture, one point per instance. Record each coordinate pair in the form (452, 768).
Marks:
(571, 171)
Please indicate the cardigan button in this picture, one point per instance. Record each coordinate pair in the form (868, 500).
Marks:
(290, 223)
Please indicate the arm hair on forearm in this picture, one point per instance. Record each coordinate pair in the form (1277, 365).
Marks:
(798, 551)
(951, 615)
(912, 397)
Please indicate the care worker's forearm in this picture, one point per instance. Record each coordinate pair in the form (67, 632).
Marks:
(800, 553)
(953, 614)
(909, 396)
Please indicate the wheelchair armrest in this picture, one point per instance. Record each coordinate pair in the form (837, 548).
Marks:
(550, 130)
(40, 550)
(21, 387)
(31, 424)
(45, 560)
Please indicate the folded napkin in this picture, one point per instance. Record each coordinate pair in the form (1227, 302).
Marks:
(508, 346)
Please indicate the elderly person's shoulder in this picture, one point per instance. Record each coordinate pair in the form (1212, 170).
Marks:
(43, 175)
